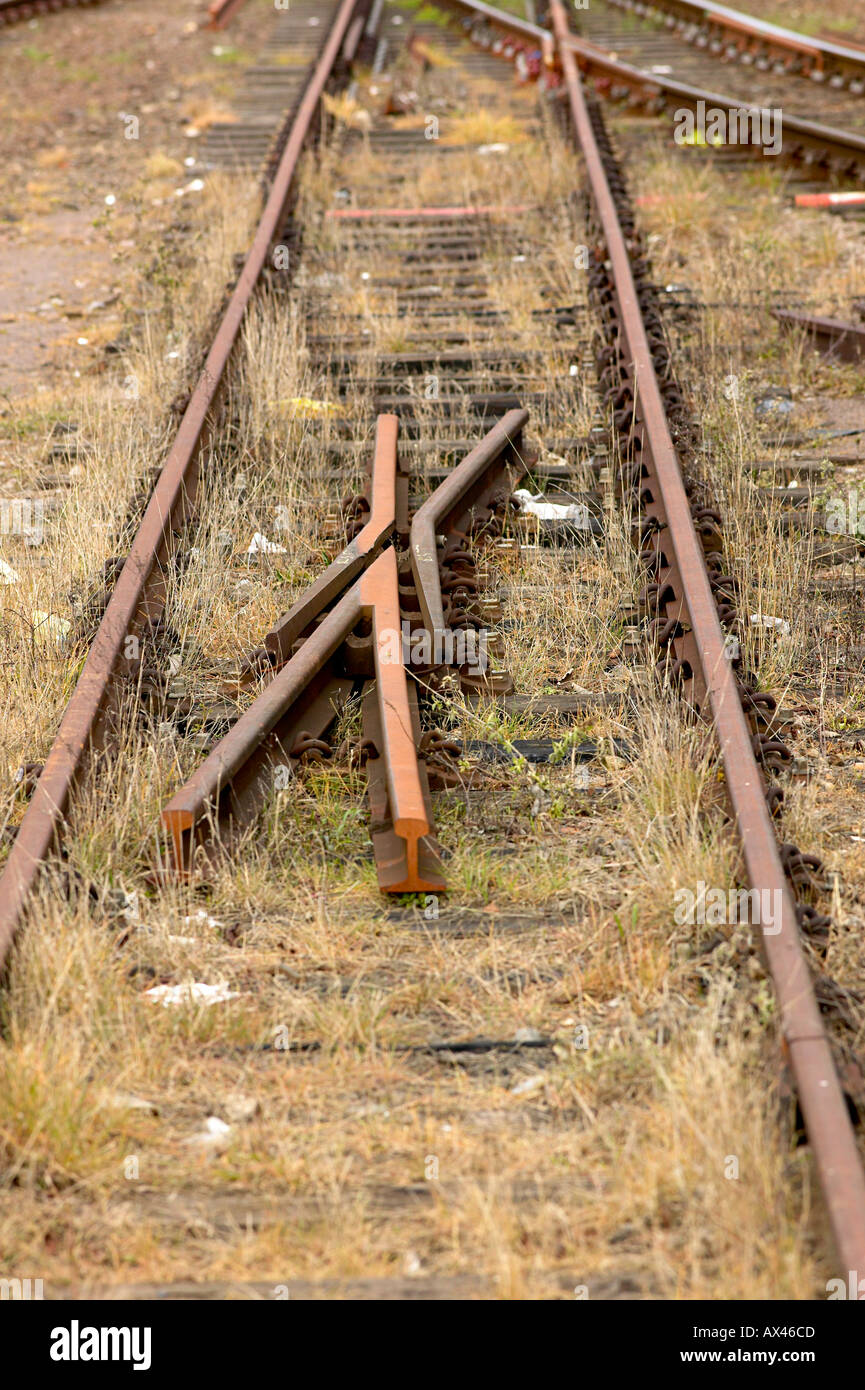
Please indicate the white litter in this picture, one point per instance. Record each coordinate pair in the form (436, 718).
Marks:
(201, 918)
(47, 627)
(553, 511)
(110, 200)
(193, 992)
(498, 148)
(260, 545)
(213, 1136)
(529, 1086)
(771, 624)
(8, 575)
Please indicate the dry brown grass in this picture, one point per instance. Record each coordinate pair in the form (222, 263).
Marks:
(606, 1165)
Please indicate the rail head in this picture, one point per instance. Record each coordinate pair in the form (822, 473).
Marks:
(360, 552)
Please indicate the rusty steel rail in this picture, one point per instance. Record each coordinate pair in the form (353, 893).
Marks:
(821, 147)
(17, 11)
(845, 342)
(460, 504)
(732, 34)
(287, 721)
(139, 594)
(321, 661)
(221, 11)
(686, 601)
(388, 513)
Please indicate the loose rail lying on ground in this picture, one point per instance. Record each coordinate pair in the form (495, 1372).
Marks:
(288, 721)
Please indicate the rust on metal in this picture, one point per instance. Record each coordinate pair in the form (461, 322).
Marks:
(238, 774)
(696, 18)
(405, 860)
(324, 659)
(820, 146)
(139, 594)
(843, 341)
(221, 11)
(466, 493)
(801, 137)
(17, 11)
(263, 748)
(701, 651)
(389, 509)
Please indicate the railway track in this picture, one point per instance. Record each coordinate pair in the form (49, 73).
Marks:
(18, 11)
(620, 57)
(809, 80)
(441, 383)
